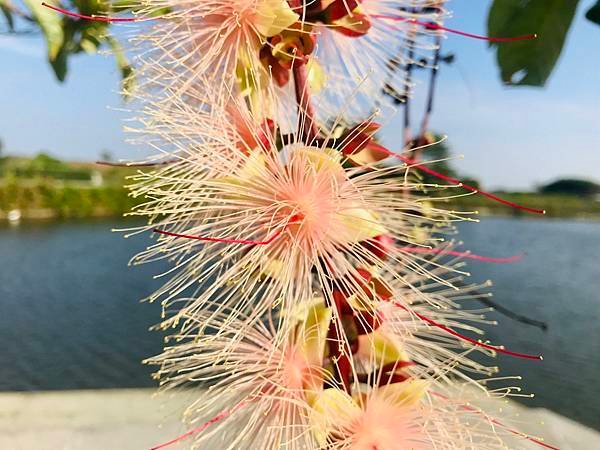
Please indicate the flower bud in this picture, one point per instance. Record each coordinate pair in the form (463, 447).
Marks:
(339, 9)
(279, 53)
(379, 246)
(367, 321)
(358, 137)
(355, 26)
(341, 304)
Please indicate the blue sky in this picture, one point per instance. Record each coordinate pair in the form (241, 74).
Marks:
(510, 137)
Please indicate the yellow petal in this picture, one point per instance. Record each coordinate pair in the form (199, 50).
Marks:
(231, 188)
(405, 394)
(320, 159)
(314, 332)
(272, 268)
(420, 235)
(274, 16)
(253, 167)
(359, 225)
(380, 348)
(299, 312)
(361, 303)
(316, 75)
(250, 73)
(331, 409)
(235, 187)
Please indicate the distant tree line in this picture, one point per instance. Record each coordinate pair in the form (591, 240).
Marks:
(571, 186)
(42, 165)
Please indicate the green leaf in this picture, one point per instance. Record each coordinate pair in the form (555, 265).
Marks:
(593, 14)
(127, 76)
(4, 6)
(93, 7)
(59, 63)
(51, 24)
(530, 62)
(124, 5)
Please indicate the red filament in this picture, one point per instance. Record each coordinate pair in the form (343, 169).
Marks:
(98, 18)
(222, 415)
(468, 187)
(224, 240)
(291, 220)
(428, 25)
(468, 255)
(497, 422)
(435, 26)
(146, 164)
(466, 338)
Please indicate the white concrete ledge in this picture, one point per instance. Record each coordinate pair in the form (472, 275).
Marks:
(125, 419)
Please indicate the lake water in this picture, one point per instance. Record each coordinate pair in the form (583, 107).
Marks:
(70, 319)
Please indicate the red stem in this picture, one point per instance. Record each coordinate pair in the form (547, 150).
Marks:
(466, 338)
(307, 122)
(339, 359)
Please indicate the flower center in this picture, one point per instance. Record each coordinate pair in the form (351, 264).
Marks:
(295, 370)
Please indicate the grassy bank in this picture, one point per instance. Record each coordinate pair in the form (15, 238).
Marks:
(43, 200)
(45, 188)
(554, 205)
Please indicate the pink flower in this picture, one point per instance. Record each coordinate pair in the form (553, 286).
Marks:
(266, 378)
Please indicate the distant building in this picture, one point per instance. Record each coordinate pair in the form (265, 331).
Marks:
(96, 178)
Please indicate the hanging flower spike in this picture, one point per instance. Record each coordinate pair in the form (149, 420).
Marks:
(338, 215)
(299, 318)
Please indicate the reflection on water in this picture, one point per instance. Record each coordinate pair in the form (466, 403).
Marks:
(69, 315)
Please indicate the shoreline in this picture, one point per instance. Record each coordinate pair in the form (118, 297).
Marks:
(137, 419)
